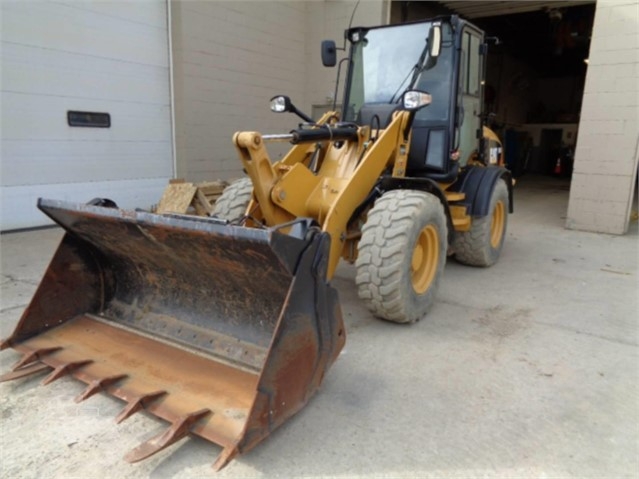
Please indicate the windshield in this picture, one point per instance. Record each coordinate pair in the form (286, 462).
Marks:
(384, 64)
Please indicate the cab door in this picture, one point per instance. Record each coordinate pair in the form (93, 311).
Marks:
(469, 99)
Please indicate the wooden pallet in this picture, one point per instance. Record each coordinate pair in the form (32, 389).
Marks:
(184, 198)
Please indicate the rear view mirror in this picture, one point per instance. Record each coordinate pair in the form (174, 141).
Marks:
(434, 40)
(434, 45)
(329, 53)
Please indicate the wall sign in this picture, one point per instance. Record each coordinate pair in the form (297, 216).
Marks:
(89, 119)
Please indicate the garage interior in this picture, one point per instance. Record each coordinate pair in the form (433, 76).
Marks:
(535, 75)
(525, 369)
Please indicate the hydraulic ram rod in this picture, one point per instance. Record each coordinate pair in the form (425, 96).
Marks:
(317, 134)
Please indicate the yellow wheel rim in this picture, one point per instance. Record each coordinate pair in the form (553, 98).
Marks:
(497, 224)
(425, 259)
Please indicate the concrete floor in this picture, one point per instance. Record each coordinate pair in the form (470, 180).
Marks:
(525, 369)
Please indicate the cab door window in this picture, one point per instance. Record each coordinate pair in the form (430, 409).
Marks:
(469, 102)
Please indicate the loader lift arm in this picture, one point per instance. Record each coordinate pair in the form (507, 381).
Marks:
(349, 171)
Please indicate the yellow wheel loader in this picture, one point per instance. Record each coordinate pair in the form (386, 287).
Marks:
(224, 326)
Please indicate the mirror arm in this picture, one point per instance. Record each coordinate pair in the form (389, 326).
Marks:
(301, 114)
(339, 71)
(409, 124)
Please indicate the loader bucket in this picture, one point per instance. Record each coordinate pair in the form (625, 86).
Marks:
(223, 331)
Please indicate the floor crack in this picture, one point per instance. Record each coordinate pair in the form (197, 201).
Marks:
(9, 278)
(3, 310)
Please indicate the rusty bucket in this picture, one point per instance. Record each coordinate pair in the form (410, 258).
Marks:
(221, 330)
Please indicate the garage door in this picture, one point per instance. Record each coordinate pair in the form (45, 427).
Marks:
(107, 62)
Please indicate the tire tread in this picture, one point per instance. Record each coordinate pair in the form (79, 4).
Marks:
(381, 277)
(232, 203)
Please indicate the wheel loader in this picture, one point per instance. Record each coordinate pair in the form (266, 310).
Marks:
(224, 326)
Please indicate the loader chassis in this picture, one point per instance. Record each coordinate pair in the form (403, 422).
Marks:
(225, 326)
(433, 149)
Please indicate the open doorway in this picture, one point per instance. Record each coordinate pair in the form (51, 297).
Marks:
(535, 75)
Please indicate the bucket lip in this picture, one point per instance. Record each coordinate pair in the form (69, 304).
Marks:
(132, 382)
(185, 222)
(287, 247)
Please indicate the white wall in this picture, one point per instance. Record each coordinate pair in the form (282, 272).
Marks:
(105, 57)
(230, 58)
(327, 20)
(605, 169)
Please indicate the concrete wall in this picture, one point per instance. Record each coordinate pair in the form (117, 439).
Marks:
(327, 20)
(607, 148)
(230, 58)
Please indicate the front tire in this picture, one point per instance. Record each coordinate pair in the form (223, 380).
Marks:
(234, 200)
(402, 253)
(482, 245)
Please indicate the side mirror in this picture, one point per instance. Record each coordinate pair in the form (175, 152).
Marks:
(329, 53)
(434, 45)
(435, 40)
(413, 100)
(280, 104)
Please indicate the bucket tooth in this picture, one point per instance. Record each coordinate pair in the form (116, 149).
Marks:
(98, 385)
(64, 369)
(138, 403)
(24, 372)
(34, 356)
(5, 343)
(226, 456)
(179, 429)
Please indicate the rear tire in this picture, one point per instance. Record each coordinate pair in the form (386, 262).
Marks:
(481, 246)
(401, 255)
(232, 204)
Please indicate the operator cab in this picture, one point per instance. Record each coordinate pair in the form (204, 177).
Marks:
(386, 61)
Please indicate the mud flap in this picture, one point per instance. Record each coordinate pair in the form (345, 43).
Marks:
(223, 331)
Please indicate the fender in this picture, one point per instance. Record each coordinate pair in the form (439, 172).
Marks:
(388, 183)
(478, 183)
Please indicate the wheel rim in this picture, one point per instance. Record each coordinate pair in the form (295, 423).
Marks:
(425, 259)
(497, 224)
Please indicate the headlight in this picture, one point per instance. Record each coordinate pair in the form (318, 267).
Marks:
(414, 99)
(278, 104)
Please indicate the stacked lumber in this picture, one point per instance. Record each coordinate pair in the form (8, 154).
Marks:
(186, 198)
